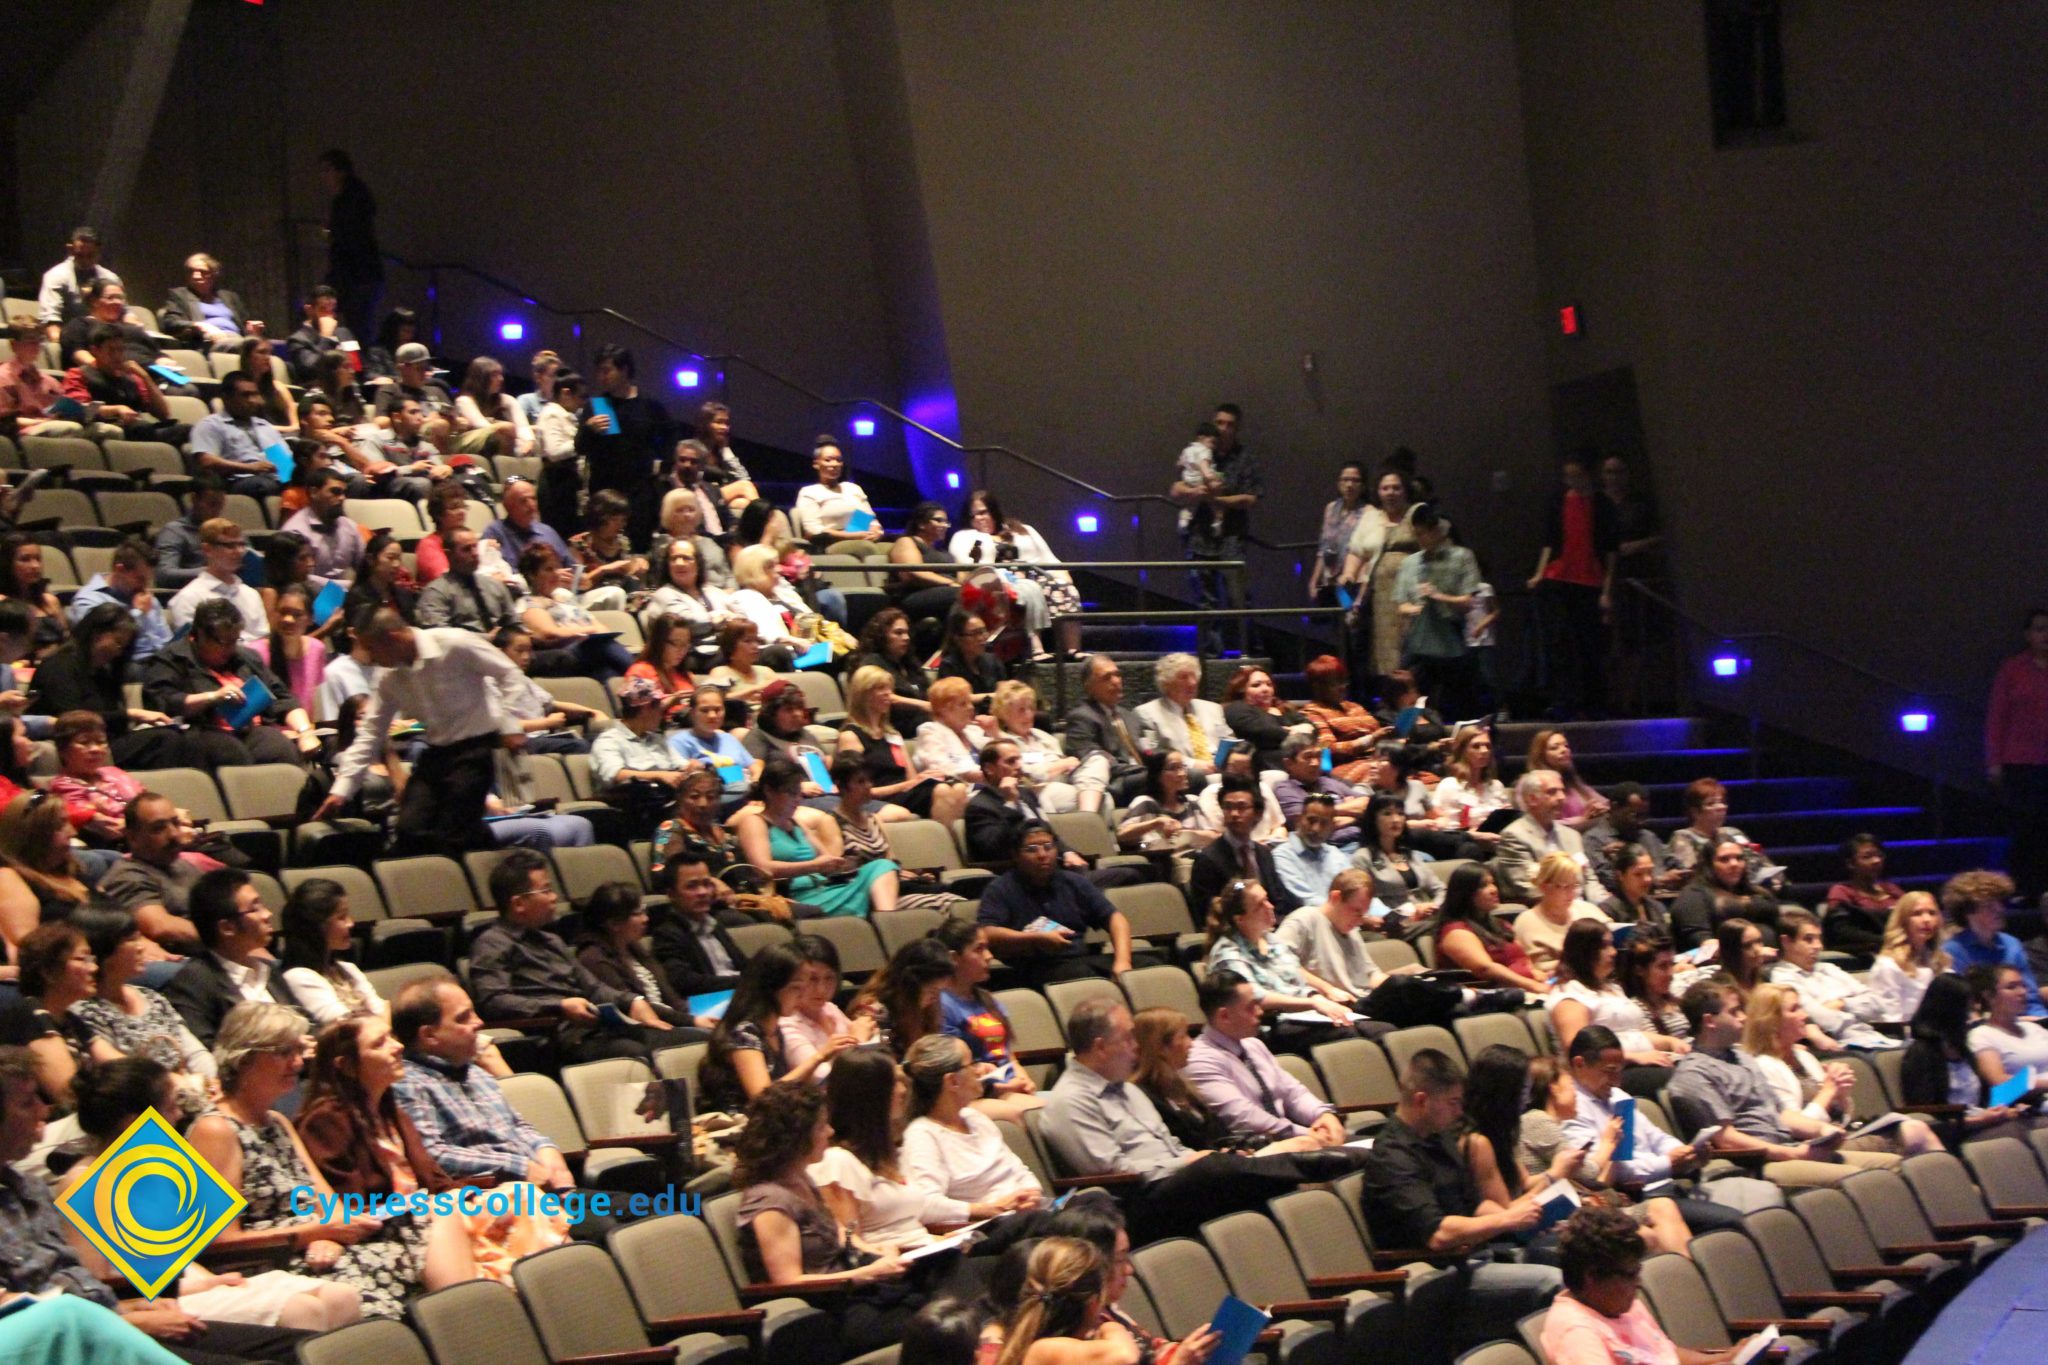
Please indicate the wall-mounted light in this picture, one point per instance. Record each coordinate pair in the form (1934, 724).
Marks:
(511, 331)
(686, 378)
(1727, 665)
(1916, 722)
(952, 478)
(1087, 523)
(863, 426)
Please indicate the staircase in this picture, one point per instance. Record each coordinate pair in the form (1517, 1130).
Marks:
(1797, 799)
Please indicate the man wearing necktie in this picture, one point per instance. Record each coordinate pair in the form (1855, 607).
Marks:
(1237, 854)
(1183, 721)
(1233, 1072)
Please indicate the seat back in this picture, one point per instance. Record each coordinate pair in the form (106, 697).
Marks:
(1684, 1306)
(548, 780)
(1356, 1071)
(583, 870)
(1734, 1270)
(922, 846)
(425, 886)
(1889, 1065)
(1303, 1070)
(1868, 1097)
(263, 791)
(1162, 988)
(626, 625)
(384, 1341)
(1184, 1281)
(1837, 1228)
(191, 790)
(672, 1267)
(1254, 1258)
(1085, 832)
(594, 1088)
(1888, 1208)
(1155, 910)
(860, 952)
(1498, 1353)
(1942, 1185)
(389, 981)
(722, 1216)
(540, 1101)
(478, 1322)
(1066, 996)
(578, 768)
(1476, 1031)
(2007, 1173)
(479, 863)
(365, 901)
(1032, 1024)
(579, 692)
(752, 938)
(1789, 1252)
(396, 515)
(1325, 1239)
(681, 1062)
(247, 513)
(1018, 1140)
(1403, 1044)
(1530, 1329)
(905, 926)
(61, 452)
(1391, 954)
(579, 1301)
(821, 693)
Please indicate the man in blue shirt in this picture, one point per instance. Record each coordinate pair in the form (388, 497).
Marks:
(234, 442)
(127, 584)
(1308, 862)
(1975, 903)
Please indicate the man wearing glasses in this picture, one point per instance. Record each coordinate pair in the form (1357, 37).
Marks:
(223, 546)
(234, 443)
(205, 680)
(234, 925)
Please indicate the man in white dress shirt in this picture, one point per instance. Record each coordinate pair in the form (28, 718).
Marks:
(222, 544)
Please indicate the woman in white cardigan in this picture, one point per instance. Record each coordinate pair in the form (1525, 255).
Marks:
(1911, 956)
(950, 742)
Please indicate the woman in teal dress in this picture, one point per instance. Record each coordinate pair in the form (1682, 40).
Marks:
(801, 848)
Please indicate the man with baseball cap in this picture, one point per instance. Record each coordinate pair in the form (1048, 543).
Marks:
(415, 381)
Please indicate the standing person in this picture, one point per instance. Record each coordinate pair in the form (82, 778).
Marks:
(1433, 591)
(1340, 519)
(625, 443)
(1222, 516)
(437, 677)
(1383, 538)
(355, 264)
(546, 366)
(1574, 584)
(2016, 752)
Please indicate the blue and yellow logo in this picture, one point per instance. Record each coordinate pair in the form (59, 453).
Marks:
(151, 1204)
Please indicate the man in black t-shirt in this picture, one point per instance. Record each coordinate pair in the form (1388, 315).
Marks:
(628, 449)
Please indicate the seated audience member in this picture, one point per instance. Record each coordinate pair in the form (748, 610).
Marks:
(487, 421)
(295, 655)
(80, 1319)
(57, 972)
(921, 592)
(953, 1154)
(1240, 930)
(1420, 1193)
(1647, 971)
(1001, 804)
(127, 583)
(885, 643)
(274, 401)
(1164, 1047)
(698, 606)
(633, 764)
(817, 1023)
(1910, 957)
(691, 457)
(1859, 905)
(560, 623)
(708, 741)
(822, 509)
(1097, 1122)
(519, 969)
(1037, 889)
(868, 735)
(1627, 823)
(1109, 738)
(234, 965)
(40, 879)
(130, 1019)
(1257, 716)
(122, 394)
(1742, 955)
(319, 334)
(380, 362)
(1974, 903)
(521, 527)
(1720, 890)
(1234, 1074)
(410, 459)
(1939, 1065)
(416, 383)
(1307, 864)
(204, 678)
(318, 928)
(780, 730)
(2006, 1043)
(1717, 1084)
(106, 306)
(602, 550)
(694, 827)
(1540, 794)
(614, 923)
(1328, 935)
(1839, 1005)
(965, 655)
(95, 793)
(1540, 929)
(380, 582)
(950, 742)
(788, 1234)
(1349, 731)
(224, 546)
(1588, 993)
(1598, 1319)
(200, 314)
(1183, 721)
(1401, 881)
(153, 880)
(30, 394)
(1164, 816)
(1014, 708)
(1632, 873)
(1470, 938)
(554, 409)
(337, 542)
(970, 1013)
(23, 583)
(902, 1000)
(1471, 791)
(1517, 1153)
(447, 507)
(1706, 809)
(1237, 855)
(757, 596)
(860, 1177)
(665, 661)
(683, 519)
(747, 1053)
(234, 444)
(62, 294)
(449, 1089)
(552, 726)
(740, 668)
(469, 600)
(180, 555)
(17, 751)
(1301, 758)
(257, 1151)
(287, 563)
(364, 1143)
(1775, 1039)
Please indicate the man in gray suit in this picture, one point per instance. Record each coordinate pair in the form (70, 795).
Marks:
(1523, 844)
(1109, 738)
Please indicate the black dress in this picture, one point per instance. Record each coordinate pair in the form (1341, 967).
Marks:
(882, 757)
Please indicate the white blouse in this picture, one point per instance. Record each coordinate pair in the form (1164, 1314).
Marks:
(2029, 1049)
(939, 748)
(954, 1170)
(323, 1002)
(1786, 1084)
(703, 613)
(1452, 796)
(1899, 989)
(891, 1212)
(1609, 1008)
(763, 612)
(821, 509)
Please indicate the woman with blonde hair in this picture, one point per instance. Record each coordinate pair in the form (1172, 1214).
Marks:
(1911, 956)
(1014, 708)
(39, 877)
(1812, 1096)
(1540, 929)
(753, 569)
(1059, 1317)
(1472, 790)
(867, 735)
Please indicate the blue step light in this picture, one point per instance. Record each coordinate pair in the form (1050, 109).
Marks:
(512, 331)
(1087, 523)
(687, 378)
(863, 426)
(1916, 722)
(1728, 665)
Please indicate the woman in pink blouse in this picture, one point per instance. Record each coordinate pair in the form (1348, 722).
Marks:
(95, 793)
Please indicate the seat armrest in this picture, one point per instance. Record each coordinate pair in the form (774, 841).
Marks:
(1407, 1256)
(646, 1142)
(1364, 1279)
(1037, 1056)
(1939, 1111)
(1750, 1159)
(524, 1023)
(838, 1284)
(652, 1355)
(1901, 1273)
(1803, 1326)
(739, 1320)
(1991, 1227)
(1108, 1181)
(1843, 1298)
(1379, 1107)
(2020, 1211)
(1950, 1248)
(1308, 1308)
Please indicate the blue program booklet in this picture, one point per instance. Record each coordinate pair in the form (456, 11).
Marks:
(253, 572)
(170, 373)
(711, 1005)
(1238, 1324)
(281, 456)
(2013, 1088)
(861, 520)
(329, 601)
(817, 656)
(1345, 597)
(601, 406)
(256, 699)
(815, 769)
(1625, 1110)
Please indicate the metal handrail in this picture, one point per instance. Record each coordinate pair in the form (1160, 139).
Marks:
(1062, 657)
